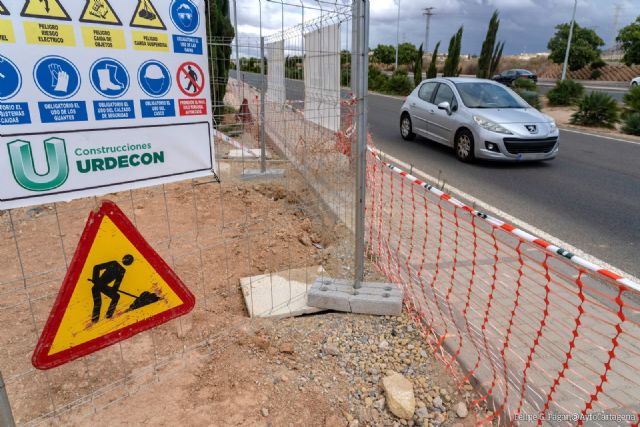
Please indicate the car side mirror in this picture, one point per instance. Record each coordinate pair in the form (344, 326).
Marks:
(445, 106)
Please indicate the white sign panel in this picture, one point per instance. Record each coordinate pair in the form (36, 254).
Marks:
(98, 96)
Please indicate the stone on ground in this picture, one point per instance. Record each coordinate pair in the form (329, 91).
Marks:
(399, 395)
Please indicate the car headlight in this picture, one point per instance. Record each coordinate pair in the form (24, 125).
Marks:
(490, 126)
(552, 126)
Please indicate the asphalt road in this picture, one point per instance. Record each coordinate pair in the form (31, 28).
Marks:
(589, 196)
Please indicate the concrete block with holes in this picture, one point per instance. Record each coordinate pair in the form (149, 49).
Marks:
(383, 299)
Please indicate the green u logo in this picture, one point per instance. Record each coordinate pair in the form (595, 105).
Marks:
(24, 169)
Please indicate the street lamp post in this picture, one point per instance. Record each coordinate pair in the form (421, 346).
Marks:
(566, 55)
(397, 36)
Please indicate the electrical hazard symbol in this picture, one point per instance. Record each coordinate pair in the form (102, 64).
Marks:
(47, 9)
(3, 10)
(146, 16)
(116, 287)
(99, 12)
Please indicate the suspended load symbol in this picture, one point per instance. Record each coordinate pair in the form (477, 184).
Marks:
(116, 287)
(99, 12)
(146, 16)
(47, 9)
(3, 10)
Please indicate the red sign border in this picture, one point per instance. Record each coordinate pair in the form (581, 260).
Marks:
(192, 95)
(41, 358)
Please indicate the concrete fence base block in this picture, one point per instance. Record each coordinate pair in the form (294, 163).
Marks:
(383, 299)
(268, 174)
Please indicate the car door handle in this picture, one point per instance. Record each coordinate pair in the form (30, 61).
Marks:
(432, 111)
(413, 104)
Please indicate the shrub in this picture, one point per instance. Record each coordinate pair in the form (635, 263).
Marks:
(598, 63)
(531, 96)
(377, 80)
(631, 124)
(399, 84)
(597, 109)
(345, 77)
(525, 84)
(632, 99)
(596, 74)
(567, 92)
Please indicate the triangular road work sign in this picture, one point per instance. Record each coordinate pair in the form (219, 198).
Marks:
(47, 9)
(116, 287)
(99, 12)
(146, 16)
(3, 10)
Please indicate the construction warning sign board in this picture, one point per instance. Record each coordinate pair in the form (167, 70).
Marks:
(99, 12)
(116, 287)
(46, 9)
(146, 16)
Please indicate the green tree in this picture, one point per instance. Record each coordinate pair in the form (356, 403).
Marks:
(491, 52)
(406, 53)
(432, 71)
(221, 31)
(384, 54)
(585, 46)
(452, 64)
(417, 67)
(629, 39)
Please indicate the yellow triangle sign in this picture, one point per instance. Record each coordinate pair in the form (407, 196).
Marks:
(99, 12)
(116, 287)
(3, 10)
(47, 9)
(146, 16)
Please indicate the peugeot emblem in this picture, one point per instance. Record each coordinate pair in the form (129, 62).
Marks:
(532, 128)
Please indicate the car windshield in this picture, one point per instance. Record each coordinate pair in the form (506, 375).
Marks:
(487, 95)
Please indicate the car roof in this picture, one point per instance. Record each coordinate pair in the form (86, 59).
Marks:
(455, 80)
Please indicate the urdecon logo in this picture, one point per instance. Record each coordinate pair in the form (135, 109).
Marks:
(24, 169)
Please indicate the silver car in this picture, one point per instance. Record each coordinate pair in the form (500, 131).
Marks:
(480, 119)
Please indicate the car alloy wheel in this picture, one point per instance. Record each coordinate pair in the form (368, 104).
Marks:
(464, 146)
(406, 128)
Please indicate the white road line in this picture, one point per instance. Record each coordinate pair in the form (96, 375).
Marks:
(482, 206)
(600, 136)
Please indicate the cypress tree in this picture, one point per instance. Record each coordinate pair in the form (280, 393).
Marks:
(417, 67)
(432, 72)
(221, 33)
(489, 48)
(452, 64)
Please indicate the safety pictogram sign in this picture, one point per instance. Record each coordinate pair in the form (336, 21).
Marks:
(116, 287)
(48, 9)
(146, 16)
(99, 12)
(3, 10)
(190, 79)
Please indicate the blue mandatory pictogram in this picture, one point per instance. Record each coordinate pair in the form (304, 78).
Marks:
(10, 79)
(109, 78)
(154, 78)
(57, 77)
(185, 16)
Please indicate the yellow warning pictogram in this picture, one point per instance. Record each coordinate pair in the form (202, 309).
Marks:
(3, 10)
(99, 12)
(47, 9)
(146, 16)
(116, 287)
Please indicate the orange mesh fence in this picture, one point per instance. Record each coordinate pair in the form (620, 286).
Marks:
(549, 336)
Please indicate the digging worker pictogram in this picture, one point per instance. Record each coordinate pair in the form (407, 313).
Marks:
(103, 275)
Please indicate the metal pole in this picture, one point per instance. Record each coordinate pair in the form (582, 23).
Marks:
(6, 417)
(397, 36)
(428, 12)
(566, 55)
(263, 84)
(235, 30)
(361, 159)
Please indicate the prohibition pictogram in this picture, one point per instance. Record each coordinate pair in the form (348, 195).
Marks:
(190, 79)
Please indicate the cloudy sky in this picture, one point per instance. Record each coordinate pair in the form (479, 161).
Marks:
(526, 25)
